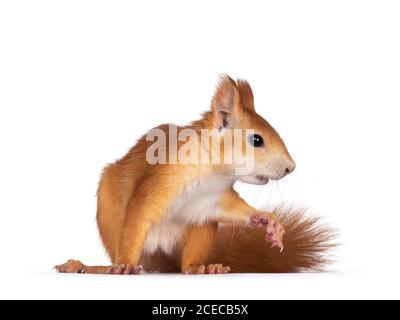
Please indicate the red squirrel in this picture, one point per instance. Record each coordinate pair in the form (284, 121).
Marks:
(186, 216)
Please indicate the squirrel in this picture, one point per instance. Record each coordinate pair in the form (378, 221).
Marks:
(187, 217)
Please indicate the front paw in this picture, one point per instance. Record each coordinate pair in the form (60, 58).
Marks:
(124, 269)
(207, 269)
(274, 229)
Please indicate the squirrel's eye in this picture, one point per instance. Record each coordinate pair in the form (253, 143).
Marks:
(256, 140)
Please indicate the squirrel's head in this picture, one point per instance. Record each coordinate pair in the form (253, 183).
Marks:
(233, 108)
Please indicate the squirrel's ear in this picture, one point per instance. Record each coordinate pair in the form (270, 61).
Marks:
(226, 106)
(246, 94)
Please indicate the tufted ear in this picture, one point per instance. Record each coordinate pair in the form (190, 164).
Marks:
(246, 94)
(226, 106)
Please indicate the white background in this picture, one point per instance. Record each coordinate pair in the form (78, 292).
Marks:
(80, 81)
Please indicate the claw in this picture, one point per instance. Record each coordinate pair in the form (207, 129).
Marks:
(278, 244)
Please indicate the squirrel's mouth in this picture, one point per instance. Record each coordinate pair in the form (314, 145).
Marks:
(262, 179)
(256, 179)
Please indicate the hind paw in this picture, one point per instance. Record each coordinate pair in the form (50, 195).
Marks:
(71, 266)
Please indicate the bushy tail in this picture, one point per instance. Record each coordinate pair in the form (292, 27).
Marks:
(306, 241)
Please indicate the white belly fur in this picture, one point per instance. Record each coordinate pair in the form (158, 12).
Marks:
(195, 206)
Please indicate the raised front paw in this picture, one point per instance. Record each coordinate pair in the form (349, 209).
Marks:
(125, 269)
(71, 266)
(274, 229)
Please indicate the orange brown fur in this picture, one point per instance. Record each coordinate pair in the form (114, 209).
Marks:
(307, 242)
(135, 199)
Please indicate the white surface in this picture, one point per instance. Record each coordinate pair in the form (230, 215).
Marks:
(249, 286)
(80, 81)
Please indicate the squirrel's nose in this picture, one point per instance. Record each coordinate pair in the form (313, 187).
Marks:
(290, 168)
